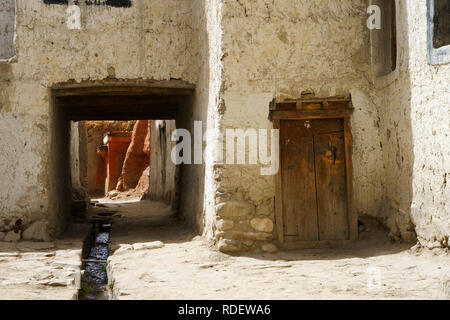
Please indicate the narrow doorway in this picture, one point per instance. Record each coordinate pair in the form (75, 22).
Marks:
(313, 180)
(313, 200)
(107, 140)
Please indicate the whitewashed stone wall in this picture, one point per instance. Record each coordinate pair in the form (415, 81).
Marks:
(240, 55)
(280, 49)
(151, 40)
(415, 135)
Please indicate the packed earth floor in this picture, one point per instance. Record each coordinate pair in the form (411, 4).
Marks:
(153, 255)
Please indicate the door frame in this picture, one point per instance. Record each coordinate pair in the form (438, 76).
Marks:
(313, 109)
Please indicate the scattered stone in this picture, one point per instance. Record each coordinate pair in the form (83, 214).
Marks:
(123, 248)
(263, 225)
(37, 231)
(207, 265)
(234, 209)
(225, 225)
(227, 245)
(8, 254)
(54, 282)
(12, 237)
(148, 245)
(113, 193)
(270, 248)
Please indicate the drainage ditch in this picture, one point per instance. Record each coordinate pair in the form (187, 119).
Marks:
(94, 280)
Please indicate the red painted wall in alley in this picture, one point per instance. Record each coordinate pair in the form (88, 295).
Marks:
(137, 157)
(118, 143)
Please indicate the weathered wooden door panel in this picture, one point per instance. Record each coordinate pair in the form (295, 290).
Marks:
(329, 150)
(311, 127)
(298, 184)
(313, 200)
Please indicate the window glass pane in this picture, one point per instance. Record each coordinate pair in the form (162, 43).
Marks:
(7, 17)
(385, 39)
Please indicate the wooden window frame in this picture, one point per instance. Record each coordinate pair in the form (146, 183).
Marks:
(440, 55)
(13, 57)
(311, 109)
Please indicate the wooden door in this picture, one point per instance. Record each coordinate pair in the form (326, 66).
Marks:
(313, 180)
(299, 188)
(329, 152)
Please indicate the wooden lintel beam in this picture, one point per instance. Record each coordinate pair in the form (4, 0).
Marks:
(121, 102)
(130, 116)
(310, 114)
(334, 99)
(123, 90)
(116, 109)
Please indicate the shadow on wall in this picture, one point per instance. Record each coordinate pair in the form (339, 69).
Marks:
(136, 164)
(196, 204)
(60, 185)
(394, 91)
(164, 174)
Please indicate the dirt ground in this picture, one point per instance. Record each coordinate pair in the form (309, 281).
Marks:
(187, 267)
(42, 270)
(156, 256)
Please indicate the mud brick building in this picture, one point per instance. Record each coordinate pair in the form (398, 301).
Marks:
(363, 113)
